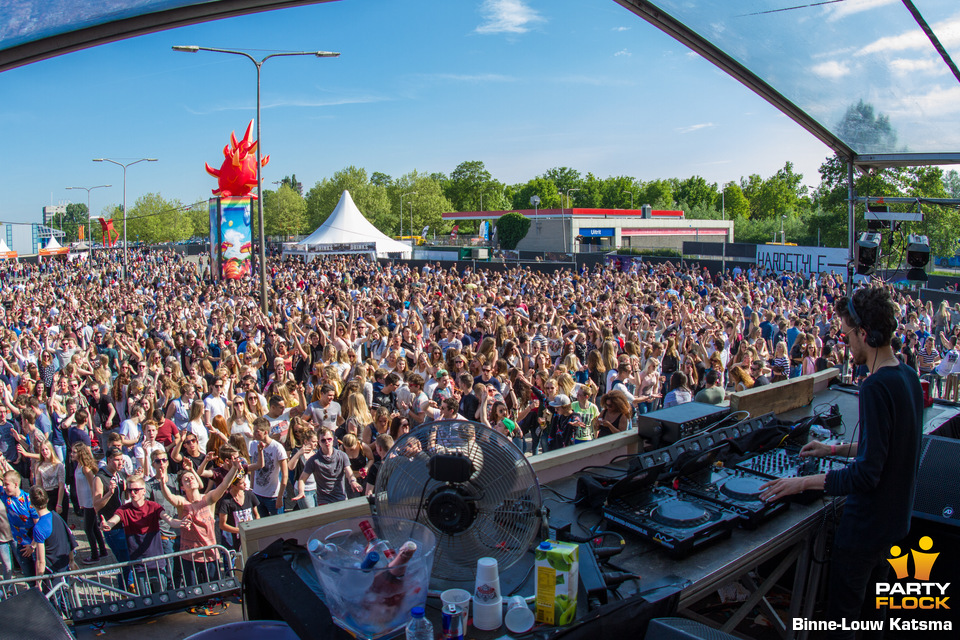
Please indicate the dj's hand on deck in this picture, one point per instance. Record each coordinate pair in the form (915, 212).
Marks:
(782, 487)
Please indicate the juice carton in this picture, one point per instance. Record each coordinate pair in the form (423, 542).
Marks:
(557, 578)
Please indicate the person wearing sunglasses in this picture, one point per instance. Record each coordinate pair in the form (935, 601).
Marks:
(330, 467)
(140, 520)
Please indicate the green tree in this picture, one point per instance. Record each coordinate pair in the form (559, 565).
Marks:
(153, 220)
(427, 206)
(543, 187)
(617, 193)
(735, 204)
(951, 181)
(291, 181)
(372, 200)
(199, 215)
(657, 193)
(467, 182)
(381, 179)
(75, 217)
(695, 192)
(866, 131)
(511, 229)
(284, 212)
(564, 177)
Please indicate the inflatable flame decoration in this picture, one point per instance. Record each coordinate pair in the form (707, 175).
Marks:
(238, 173)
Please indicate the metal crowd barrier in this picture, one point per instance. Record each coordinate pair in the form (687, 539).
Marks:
(136, 588)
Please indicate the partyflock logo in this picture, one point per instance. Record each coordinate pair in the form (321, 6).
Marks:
(921, 593)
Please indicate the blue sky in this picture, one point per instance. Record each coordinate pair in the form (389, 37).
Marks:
(522, 85)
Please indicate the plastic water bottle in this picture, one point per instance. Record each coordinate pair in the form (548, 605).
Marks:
(419, 628)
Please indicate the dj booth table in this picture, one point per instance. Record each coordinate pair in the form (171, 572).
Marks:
(792, 540)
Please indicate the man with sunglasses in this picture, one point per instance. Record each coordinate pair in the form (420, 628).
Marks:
(330, 467)
(141, 521)
(160, 462)
(879, 482)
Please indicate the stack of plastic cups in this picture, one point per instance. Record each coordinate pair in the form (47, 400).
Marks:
(487, 603)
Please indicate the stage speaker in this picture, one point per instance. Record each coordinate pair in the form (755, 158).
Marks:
(30, 615)
(937, 495)
(683, 629)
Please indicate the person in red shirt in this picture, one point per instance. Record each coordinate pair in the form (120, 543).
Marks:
(166, 429)
(140, 519)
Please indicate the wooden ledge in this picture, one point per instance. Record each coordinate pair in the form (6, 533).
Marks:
(780, 397)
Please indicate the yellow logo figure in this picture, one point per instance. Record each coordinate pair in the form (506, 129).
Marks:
(923, 562)
(899, 562)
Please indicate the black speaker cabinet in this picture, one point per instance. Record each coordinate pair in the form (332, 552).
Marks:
(937, 496)
(30, 615)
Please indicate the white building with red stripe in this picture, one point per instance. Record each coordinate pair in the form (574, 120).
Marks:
(589, 230)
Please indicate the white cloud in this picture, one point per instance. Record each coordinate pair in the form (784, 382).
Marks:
(623, 52)
(936, 103)
(696, 127)
(621, 29)
(507, 16)
(905, 66)
(948, 32)
(851, 7)
(831, 69)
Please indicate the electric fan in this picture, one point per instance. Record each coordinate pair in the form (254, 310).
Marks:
(471, 486)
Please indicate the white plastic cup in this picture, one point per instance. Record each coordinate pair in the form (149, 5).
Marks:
(460, 598)
(487, 588)
(518, 618)
(488, 616)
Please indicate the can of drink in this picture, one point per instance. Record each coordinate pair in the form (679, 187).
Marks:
(452, 624)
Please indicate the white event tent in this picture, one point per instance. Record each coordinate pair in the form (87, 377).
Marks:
(347, 231)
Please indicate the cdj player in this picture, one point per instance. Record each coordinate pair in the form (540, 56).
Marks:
(660, 514)
(704, 476)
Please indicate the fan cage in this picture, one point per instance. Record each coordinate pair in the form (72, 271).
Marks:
(502, 495)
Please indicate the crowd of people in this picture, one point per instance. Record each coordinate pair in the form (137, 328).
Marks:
(159, 412)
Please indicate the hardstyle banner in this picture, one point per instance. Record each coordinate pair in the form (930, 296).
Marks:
(802, 259)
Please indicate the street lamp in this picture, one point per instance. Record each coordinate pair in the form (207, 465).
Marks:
(783, 237)
(124, 166)
(258, 64)
(563, 228)
(402, 196)
(88, 190)
(631, 197)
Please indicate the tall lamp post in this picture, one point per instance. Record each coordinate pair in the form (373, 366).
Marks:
(88, 190)
(124, 167)
(631, 197)
(402, 196)
(563, 228)
(258, 64)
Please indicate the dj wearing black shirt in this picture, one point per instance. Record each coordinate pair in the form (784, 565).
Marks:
(880, 481)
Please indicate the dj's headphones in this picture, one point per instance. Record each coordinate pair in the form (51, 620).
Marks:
(873, 338)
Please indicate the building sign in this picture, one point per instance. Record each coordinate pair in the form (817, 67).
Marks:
(343, 247)
(597, 232)
(802, 259)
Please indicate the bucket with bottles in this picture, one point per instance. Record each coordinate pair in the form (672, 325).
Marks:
(373, 571)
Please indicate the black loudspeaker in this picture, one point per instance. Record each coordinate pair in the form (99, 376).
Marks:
(30, 615)
(683, 629)
(937, 496)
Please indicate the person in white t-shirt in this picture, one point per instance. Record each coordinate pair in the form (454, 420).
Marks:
(324, 411)
(214, 404)
(269, 469)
